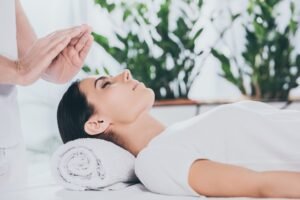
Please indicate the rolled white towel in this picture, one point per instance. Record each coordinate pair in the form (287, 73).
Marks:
(93, 164)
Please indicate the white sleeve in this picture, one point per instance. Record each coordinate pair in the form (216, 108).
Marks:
(165, 170)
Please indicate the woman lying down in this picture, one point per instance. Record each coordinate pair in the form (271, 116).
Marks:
(247, 149)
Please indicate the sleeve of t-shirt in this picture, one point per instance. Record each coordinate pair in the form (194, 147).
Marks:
(165, 170)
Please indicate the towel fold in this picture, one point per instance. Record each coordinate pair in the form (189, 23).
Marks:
(93, 164)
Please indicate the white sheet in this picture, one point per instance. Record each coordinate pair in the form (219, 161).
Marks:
(55, 192)
(135, 192)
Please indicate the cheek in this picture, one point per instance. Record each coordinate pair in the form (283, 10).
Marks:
(121, 104)
(125, 106)
(142, 102)
(119, 97)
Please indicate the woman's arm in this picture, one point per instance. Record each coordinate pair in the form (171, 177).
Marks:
(222, 180)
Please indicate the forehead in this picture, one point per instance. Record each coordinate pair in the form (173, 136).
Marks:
(87, 82)
(86, 85)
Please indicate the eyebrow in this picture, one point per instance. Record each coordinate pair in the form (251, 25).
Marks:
(100, 78)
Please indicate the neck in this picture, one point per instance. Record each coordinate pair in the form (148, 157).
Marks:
(135, 136)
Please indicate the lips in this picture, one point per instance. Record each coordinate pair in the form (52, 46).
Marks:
(135, 85)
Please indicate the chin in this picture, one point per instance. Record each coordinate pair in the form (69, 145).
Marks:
(151, 98)
(148, 100)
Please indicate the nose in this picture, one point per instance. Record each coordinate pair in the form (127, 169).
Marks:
(126, 75)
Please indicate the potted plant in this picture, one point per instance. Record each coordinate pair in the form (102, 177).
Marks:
(161, 56)
(272, 65)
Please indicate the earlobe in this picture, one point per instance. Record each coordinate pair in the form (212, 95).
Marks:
(95, 127)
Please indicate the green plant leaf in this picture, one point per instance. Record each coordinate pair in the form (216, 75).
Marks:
(293, 25)
(225, 64)
(292, 7)
(86, 69)
(101, 40)
(298, 62)
(106, 71)
(236, 16)
(126, 14)
(198, 34)
(104, 4)
(200, 3)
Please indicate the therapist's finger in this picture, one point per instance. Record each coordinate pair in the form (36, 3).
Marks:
(44, 45)
(56, 34)
(59, 47)
(82, 42)
(53, 41)
(72, 33)
(49, 41)
(83, 29)
(48, 44)
(75, 40)
(66, 30)
(83, 53)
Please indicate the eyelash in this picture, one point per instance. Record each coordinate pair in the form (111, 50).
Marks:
(105, 84)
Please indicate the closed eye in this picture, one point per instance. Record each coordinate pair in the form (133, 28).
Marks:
(105, 84)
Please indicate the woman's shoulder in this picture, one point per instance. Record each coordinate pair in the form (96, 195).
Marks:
(147, 167)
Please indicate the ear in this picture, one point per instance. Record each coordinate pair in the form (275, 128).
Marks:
(96, 125)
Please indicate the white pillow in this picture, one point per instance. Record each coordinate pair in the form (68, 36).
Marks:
(96, 164)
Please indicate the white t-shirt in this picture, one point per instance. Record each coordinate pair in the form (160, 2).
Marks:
(10, 131)
(13, 169)
(249, 134)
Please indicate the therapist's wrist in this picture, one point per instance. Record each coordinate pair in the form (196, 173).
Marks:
(17, 75)
(12, 72)
(8, 70)
(20, 73)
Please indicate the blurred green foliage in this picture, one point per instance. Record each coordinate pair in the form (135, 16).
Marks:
(269, 53)
(169, 74)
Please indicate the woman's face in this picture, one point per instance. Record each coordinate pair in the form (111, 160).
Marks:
(121, 98)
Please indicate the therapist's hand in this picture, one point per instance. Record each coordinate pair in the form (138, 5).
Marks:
(67, 64)
(42, 53)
